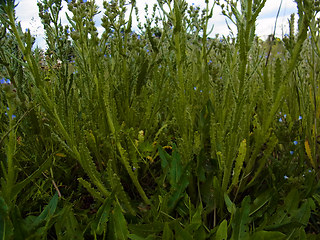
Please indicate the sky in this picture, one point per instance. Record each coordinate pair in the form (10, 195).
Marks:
(27, 14)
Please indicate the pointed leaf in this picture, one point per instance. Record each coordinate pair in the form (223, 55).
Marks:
(240, 228)
(167, 233)
(239, 163)
(222, 232)
(196, 221)
(67, 226)
(261, 201)
(164, 156)
(19, 186)
(175, 168)
(47, 212)
(102, 217)
(180, 233)
(230, 205)
(120, 224)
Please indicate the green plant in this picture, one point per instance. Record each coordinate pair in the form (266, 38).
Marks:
(160, 133)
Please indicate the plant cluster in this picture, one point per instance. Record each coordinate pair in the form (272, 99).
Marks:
(164, 133)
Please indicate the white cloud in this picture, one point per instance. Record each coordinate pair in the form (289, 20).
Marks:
(27, 13)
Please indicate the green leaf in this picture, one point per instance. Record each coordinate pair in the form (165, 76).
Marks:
(239, 163)
(164, 156)
(178, 178)
(222, 232)
(120, 225)
(261, 201)
(266, 235)
(167, 233)
(19, 186)
(96, 194)
(136, 237)
(240, 228)
(116, 185)
(302, 234)
(34, 227)
(102, 217)
(180, 233)
(179, 192)
(175, 168)
(6, 227)
(281, 218)
(178, 17)
(48, 212)
(302, 214)
(230, 205)
(201, 233)
(67, 226)
(196, 220)
(153, 43)
(146, 229)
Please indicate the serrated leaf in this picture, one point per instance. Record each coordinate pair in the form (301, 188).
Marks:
(239, 163)
(308, 151)
(178, 17)
(90, 189)
(116, 185)
(89, 167)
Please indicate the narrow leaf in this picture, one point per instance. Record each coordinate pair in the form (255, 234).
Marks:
(120, 224)
(308, 151)
(266, 235)
(239, 163)
(240, 228)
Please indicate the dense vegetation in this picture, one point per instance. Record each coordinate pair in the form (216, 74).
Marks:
(164, 133)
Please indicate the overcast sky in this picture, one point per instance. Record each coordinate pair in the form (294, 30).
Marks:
(27, 13)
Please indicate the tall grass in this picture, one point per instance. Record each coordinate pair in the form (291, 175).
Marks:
(165, 133)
